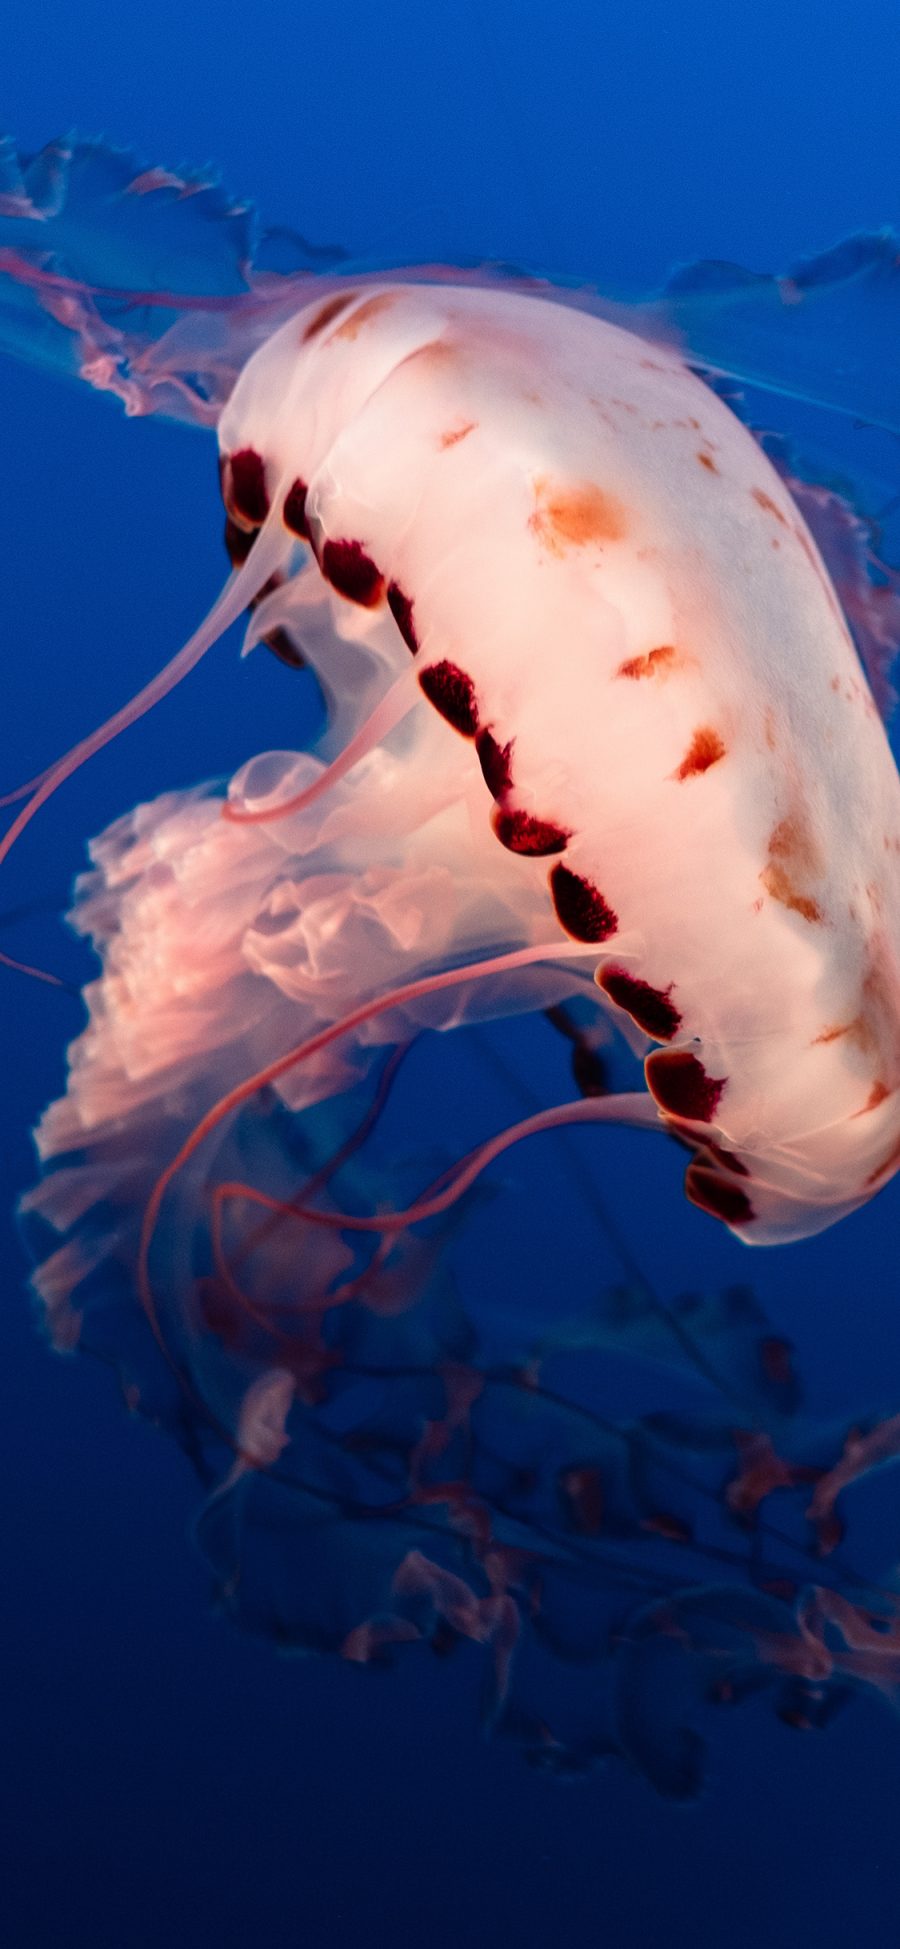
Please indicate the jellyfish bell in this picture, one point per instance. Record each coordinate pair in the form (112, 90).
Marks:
(574, 553)
(591, 561)
(547, 530)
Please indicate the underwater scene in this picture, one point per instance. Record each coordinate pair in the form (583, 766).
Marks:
(450, 948)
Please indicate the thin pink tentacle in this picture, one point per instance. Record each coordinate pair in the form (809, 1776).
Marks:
(278, 1208)
(36, 974)
(238, 591)
(634, 1107)
(23, 791)
(394, 706)
(272, 1072)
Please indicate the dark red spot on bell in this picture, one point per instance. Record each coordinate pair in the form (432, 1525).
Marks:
(245, 487)
(453, 694)
(294, 510)
(679, 1083)
(494, 760)
(580, 907)
(651, 1008)
(401, 609)
(352, 572)
(519, 832)
(238, 542)
(717, 1195)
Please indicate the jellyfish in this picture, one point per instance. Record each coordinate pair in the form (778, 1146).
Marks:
(552, 533)
(603, 665)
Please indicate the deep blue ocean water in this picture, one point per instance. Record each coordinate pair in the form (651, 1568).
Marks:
(166, 1780)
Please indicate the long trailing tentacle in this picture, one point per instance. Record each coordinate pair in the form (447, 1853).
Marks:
(16, 966)
(231, 603)
(25, 790)
(272, 1072)
(228, 1267)
(634, 1107)
(24, 912)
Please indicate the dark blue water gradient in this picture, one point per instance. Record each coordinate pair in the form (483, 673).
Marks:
(166, 1780)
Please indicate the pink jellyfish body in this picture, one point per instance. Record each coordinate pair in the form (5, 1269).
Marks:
(609, 594)
(599, 725)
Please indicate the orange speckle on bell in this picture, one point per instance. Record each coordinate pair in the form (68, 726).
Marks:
(778, 884)
(656, 663)
(878, 1093)
(705, 749)
(808, 549)
(575, 516)
(438, 353)
(792, 840)
(454, 434)
(767, 504)
(381, 301)
(888, 1163)
(706, 460)
(793, 857)
(861, 1032)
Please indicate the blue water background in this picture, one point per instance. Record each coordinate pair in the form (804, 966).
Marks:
(163, 1780)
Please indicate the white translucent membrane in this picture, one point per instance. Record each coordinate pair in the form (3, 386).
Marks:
(229, 947)
(392, 709)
